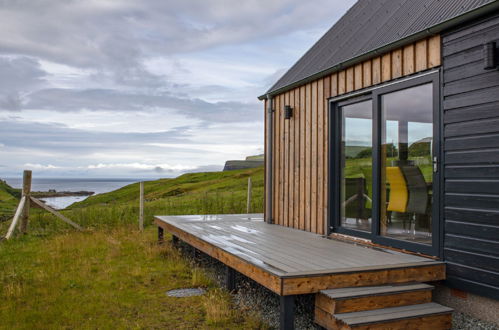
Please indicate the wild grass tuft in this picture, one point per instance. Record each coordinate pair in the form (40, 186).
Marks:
(199, 278)
(218, 307)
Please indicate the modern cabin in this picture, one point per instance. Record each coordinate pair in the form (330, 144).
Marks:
(382, 169)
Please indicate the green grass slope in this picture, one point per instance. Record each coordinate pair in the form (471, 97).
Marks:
(113, 276)
(185, 187)
(192, 193)
(9, 197)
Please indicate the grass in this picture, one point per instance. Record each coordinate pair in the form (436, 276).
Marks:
(9, 197)
(111, 275)
(106, 279)
(193, 193)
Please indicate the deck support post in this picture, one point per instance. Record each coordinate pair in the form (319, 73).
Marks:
(230, 279)
(161, 235)
(287, 312)
(195, 253)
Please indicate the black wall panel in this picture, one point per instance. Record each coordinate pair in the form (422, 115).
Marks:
(471, 158)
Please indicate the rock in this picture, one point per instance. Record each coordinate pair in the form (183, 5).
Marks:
(231, 165)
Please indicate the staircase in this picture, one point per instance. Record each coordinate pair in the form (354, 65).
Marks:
(402, 306)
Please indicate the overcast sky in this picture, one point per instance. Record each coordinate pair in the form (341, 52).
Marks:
(111, 88)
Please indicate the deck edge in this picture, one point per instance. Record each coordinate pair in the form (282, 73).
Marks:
(269, 280)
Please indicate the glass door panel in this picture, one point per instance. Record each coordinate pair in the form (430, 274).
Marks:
(356, 166)
(406, 164)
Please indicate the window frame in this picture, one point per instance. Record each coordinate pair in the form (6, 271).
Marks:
(335, 133)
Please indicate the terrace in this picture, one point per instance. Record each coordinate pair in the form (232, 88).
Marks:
(291, 262)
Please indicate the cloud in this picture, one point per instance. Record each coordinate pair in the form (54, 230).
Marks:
(40, 166)
(122, 31)
(141, 166)
(143, 86)
(19, 75)
(98, 100)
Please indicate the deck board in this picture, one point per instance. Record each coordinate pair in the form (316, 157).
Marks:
(286, 253)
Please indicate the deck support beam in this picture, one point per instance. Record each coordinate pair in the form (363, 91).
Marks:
(230, 279)
(287, 312)
(161, 235)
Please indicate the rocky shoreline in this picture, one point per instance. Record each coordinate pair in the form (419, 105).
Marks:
(53, 193)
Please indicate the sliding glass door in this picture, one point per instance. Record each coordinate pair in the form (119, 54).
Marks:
(356, 166)
(406, 164)
(384, 165)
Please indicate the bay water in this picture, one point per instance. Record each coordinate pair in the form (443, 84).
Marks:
(98, 186)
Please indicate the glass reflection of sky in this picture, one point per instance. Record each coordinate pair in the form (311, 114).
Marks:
(359, 132)
(361, 135)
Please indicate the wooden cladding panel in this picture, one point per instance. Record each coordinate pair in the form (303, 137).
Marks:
(308, 155)
(277, 160)
(386, 67)
(296, 169)
(358, 79)
(313, 169)
(320, 155)
(285, 166)
(408, 60)
(342, 86)
(434, 57)
(303, 157)
(300, 146)
(421, 56)
(350, 77)
(376, 71)
(325, 125)
(366, 74)
(334, 84)
(396, 63)
(287, 176)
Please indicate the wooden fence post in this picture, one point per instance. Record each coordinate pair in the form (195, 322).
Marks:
(13, 224)
(248, 202)
(141, 206)
(27, 194)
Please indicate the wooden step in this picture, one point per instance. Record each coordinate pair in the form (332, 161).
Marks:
(420, 316)
(356, 299)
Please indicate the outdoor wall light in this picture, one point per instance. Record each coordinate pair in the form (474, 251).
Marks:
(288, 112)
(490, 55)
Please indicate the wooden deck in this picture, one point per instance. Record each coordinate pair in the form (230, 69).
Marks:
(289, 261)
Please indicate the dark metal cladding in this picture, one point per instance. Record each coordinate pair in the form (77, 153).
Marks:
(370, 25)
(471, 159)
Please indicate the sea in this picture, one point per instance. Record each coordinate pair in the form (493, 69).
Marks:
(98, 186)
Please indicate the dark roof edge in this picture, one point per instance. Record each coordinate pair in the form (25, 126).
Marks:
(485, 9)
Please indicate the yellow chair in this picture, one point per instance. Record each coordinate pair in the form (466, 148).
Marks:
(399, 194)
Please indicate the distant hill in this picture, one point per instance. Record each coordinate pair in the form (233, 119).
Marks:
(249, 162)
(354, 151)
(185, 186)
(260, 157)
(421, 147)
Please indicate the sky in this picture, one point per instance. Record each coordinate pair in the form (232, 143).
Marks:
(143, 88)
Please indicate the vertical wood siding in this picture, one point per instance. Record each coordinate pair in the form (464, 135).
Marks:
(471, 150)
(300, 160)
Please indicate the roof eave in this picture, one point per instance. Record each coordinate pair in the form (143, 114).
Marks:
(485, 9)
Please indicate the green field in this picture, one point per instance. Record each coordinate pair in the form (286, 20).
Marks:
(113, 276)
(9, 197)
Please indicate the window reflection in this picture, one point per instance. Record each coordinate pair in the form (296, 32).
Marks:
(406, 164)
(356, 166)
